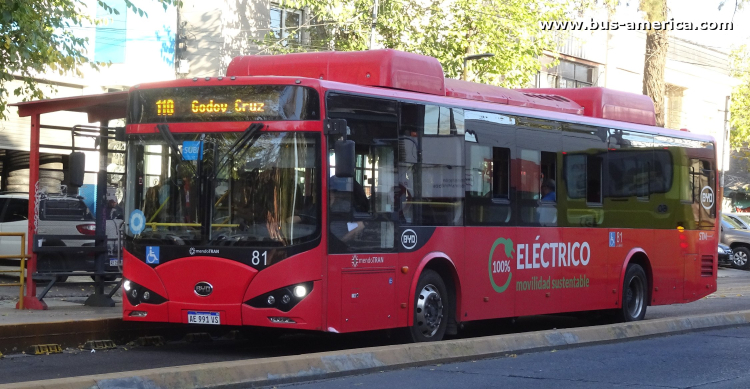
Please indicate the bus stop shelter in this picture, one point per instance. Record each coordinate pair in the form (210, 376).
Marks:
(101, 108)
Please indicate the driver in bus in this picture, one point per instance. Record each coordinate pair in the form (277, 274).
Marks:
(346, 202)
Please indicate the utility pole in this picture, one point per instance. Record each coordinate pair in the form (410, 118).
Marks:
(724, 142)
(374, 24)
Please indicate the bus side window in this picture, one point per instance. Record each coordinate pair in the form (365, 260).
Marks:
(704, 200)
(539, 142)
(594, 178)
(431, 166)
(489, 151)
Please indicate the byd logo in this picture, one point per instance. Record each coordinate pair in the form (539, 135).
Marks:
(203, 289)
(707, 197)
(409, 239)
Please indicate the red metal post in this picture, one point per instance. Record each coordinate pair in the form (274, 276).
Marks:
(30, 300)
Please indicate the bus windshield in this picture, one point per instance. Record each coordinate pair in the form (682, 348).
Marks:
(264, 191)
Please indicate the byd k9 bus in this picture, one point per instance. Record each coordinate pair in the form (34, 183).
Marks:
(359, 191)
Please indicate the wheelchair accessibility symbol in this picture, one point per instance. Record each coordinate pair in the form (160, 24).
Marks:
(137, 222)
(152, 255)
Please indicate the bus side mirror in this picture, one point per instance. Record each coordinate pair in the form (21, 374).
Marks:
(76, 168)
(120, 134)
(345, 159)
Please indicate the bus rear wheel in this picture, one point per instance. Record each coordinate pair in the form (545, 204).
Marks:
(430, 308)
(634, 294)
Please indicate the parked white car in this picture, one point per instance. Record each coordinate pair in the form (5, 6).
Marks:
(58, 215)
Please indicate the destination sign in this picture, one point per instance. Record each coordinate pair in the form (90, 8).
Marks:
(223, 103)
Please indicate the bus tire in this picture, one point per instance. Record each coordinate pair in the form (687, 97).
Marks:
(634, 294)
(741, 258)
(430, 308)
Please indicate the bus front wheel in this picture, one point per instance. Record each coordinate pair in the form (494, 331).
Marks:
(430, 308)
(634, 294)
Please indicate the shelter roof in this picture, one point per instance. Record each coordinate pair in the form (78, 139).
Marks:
(99, 108)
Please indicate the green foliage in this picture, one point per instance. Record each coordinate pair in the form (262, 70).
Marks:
(740, 106)
(36, 38)
(448, 30)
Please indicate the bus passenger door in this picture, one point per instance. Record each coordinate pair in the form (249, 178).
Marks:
(538, 237)
(583, 255)
(491, 242)
(361, 229)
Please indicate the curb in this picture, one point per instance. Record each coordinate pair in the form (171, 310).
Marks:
(307, 367)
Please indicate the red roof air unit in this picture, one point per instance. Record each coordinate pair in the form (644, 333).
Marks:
(385, 68)
(608, 104)
(495, 94)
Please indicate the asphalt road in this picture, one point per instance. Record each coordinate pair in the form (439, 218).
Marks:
(733, 295)
(712, 359)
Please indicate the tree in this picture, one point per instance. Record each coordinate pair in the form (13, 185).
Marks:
(656, 56)
(35, 38)
(740, 108)
(445, 29)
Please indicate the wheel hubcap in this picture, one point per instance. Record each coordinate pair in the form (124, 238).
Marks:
(634, 297)
(740, 258)
(429, 311)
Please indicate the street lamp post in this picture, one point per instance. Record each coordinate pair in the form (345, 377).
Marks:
(470, 58)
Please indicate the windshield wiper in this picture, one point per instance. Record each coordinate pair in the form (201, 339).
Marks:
(167, 135)
(246, 139)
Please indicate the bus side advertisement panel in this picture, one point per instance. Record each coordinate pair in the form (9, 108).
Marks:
(561, 270)
(490, 273)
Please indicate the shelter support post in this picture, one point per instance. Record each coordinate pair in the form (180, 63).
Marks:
(30, 300)
(99, 298)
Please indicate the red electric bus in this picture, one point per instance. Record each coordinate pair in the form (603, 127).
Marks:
(359, 191)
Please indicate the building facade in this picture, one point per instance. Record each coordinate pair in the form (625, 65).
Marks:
(133, 49)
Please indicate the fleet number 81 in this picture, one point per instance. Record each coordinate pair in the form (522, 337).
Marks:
(256, 257)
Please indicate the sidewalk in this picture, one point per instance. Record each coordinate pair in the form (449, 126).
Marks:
(65, 302)
(59, 310)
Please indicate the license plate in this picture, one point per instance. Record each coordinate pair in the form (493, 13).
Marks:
(115, 262)
(203, 318)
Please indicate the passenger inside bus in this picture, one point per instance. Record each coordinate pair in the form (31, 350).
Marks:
(548, 190)
(546, 212)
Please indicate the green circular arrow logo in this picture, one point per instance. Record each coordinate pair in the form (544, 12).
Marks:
(508, 244)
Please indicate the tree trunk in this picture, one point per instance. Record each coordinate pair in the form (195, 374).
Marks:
(656, 57)
(653, 71)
